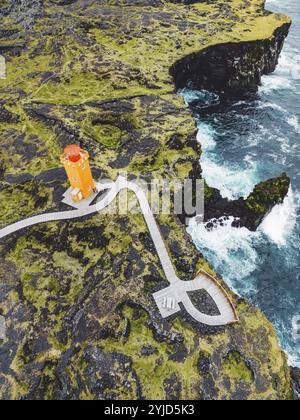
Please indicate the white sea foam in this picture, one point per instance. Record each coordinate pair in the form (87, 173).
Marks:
(264, 105)
(275, 82)
(205, 137)
(293, 354)
(289, 64)
(284, 145)
(286, 74)
(232, 251)
(294, 122)
(203, 97)
(232, 182)
(279, 224)
(285, 333)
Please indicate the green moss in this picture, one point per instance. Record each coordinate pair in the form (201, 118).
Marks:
(267, 194)
(108, 135)
(236, 368)
(118, 241)
(21, 201)
(155, 368)
(41, 277)
(208, 192)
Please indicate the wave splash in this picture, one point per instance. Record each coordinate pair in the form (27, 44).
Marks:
(232, 180)
(230, 250)
(281, 221)
(287, 73)
(294, 123)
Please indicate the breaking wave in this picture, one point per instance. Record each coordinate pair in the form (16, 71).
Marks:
(280, 223)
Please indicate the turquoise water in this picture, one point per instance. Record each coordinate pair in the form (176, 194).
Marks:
(244, 143)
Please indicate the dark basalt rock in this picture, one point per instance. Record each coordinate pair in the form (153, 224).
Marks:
(295, 375)
(203, 364)
(231, 69)
(7, 116)
(203, 302)
(148, 351)
(172, 387)
(250, 212)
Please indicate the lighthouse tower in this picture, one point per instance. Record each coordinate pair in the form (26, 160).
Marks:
(76, 163)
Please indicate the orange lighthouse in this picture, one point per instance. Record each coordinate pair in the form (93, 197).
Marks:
(76, 163)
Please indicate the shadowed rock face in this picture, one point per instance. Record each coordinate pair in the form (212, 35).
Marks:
(295, 373)
(230, 69)
(80, 320)
(251, 211)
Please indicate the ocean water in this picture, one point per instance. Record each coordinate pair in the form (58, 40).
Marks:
(244, 143)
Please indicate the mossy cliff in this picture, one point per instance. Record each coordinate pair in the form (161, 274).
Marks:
(251, 211)
(81, 322)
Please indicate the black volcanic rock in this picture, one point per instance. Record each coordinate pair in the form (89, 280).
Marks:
(295, 375)
(251, 211)
(230, 68)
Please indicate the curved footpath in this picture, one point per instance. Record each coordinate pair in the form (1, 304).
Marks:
(168, 299)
